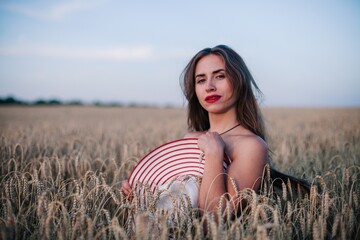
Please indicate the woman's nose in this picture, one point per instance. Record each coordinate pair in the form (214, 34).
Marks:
(210, 86)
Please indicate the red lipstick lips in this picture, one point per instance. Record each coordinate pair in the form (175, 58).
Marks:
(212, 98)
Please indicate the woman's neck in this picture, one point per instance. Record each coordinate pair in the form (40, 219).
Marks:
(221, 122)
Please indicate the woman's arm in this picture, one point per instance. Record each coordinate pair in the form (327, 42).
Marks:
(249, 159)
(213, 184)
(249, 156)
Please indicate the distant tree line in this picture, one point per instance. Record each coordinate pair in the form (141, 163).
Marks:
(13, 101)
(55, 102)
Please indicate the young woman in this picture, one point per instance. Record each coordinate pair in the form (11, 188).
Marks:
(223, 114)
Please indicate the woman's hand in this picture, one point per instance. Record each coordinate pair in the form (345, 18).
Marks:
(126, 189)
(212, 144)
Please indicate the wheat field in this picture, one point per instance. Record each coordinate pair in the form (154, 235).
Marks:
(61, 169)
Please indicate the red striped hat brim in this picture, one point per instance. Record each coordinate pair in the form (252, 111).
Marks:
(176, 158)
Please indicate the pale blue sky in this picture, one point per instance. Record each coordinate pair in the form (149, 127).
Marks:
(303, 53)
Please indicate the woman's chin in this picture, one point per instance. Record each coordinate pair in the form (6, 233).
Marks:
(217, 109)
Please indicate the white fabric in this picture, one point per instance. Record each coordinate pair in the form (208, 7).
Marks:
(173, 191)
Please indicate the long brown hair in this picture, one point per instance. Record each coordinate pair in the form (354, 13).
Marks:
(248, 112)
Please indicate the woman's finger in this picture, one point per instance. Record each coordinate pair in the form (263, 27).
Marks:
(125, 187)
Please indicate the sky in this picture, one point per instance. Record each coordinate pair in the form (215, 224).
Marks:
(300, 53)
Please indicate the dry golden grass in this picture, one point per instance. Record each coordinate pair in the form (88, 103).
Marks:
(61, 168)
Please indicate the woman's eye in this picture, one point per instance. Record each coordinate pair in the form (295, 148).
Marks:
(220, 76)
(200, 81)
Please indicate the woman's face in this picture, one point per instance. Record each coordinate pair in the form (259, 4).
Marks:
(212, 85)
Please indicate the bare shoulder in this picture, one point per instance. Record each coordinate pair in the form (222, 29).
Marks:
(252, 142)
(249, 147)
(193, 134)
(249, 155)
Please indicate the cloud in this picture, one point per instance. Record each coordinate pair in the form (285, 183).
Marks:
(53, 12)
(115, 53)
(121, 53)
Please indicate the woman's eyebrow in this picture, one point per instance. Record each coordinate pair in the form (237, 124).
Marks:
(214, 72)
(219, 70)
(200, 75)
